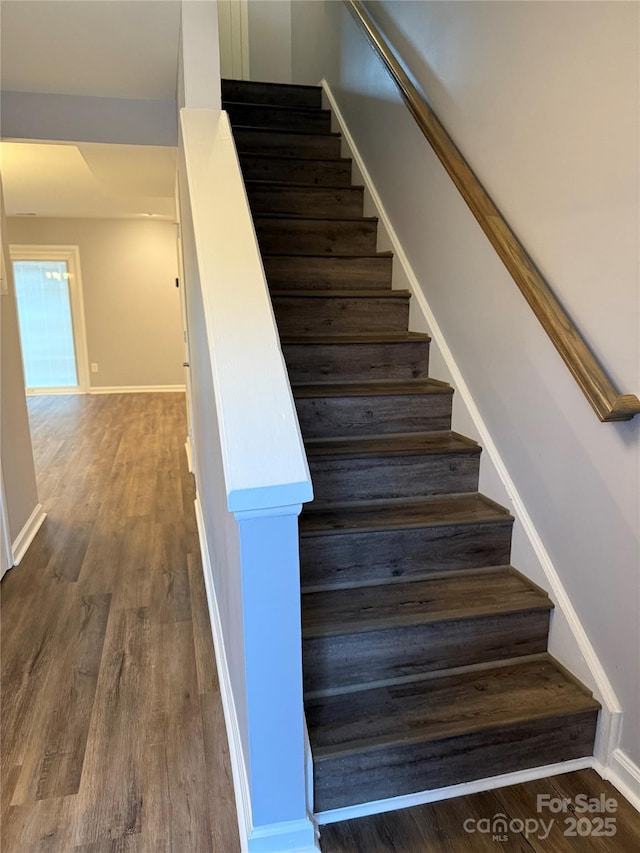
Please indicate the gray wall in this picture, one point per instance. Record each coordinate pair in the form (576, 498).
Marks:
(132, 306)
(15, 439)
(542, 98)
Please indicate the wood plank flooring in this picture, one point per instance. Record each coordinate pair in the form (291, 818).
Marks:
(464, 824)
(113, 737)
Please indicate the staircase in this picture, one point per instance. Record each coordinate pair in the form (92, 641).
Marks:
(424, 651)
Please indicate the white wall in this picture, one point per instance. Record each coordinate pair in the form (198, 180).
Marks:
(270, 40)
(16, 455)
(132, 306)
(542, 98)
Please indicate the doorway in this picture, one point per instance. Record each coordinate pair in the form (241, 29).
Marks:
(51, 319)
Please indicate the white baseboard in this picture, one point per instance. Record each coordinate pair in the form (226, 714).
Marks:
(27, 534)
(238, 766)
(623, 774)
(581, 651)
(189, 451)
(136, 389)
(289, 837)
(47, 392)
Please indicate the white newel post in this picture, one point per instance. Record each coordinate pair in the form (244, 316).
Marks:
(273, 668)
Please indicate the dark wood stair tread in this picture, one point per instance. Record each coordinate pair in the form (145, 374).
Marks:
(373, 388)
(424, 601)
(284, 185)
(398, 444)
(283, 131)
(468, 508)
(443, 707)
(370, 338)
(299, 293)
(285, 108)
(296, 218)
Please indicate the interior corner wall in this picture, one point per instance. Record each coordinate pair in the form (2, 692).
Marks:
(542, 99)
(18, 472)
(132, 306)
(270, 40)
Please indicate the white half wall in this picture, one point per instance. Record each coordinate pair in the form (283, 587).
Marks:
(542, 99)
(132, 305)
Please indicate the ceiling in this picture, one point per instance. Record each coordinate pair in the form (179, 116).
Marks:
(88, 180)
(97, 48)
(102, 48)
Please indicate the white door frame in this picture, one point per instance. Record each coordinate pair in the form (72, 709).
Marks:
(70, 254)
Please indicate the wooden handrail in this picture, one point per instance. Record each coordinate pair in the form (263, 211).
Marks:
(607, 402)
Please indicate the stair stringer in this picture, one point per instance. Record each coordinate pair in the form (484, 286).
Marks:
(568, 641)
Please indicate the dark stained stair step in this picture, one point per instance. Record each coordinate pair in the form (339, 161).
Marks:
(304, 200)
(266, 167)
(276, 117)
(344, 358)
(402, 538)
(443, 731)
(299, 235)
(321, 272)
(392, 466)
(372, 408)
(281, 94)
(340, 311)
(280, 143)
(402, 630)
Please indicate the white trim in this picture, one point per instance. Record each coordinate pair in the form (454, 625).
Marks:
(27, 534)
(6, 557)
(623, 774)
(71, 255)
(238, 766)
(45, 392)
(610, 719)
(188, 449)
(136, 389)
(285, 837)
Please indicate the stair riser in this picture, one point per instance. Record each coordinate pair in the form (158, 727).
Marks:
(317, 315)
(394, 476)
(350, 659)
(383, 554)
(352, 362)
(259, 115)
(333, 172)
(243, 91)
(305, 145)
(298, 236)
(329, 273)
(316, 201)
(394, 771)
(332, 416)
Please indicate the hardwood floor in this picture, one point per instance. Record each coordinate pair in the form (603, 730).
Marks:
(113, 738)
(466, 824)
(112, 731)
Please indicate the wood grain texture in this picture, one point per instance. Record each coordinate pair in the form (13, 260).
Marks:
(264, 167)
(334, 313)
(372, 408)
(289, 144)
(298, 235)
(313, 272)
(441, 826)
(277, 117)
(304, 200)
(282, 94)
(358, 359)
(112, 733)
(605, 399)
